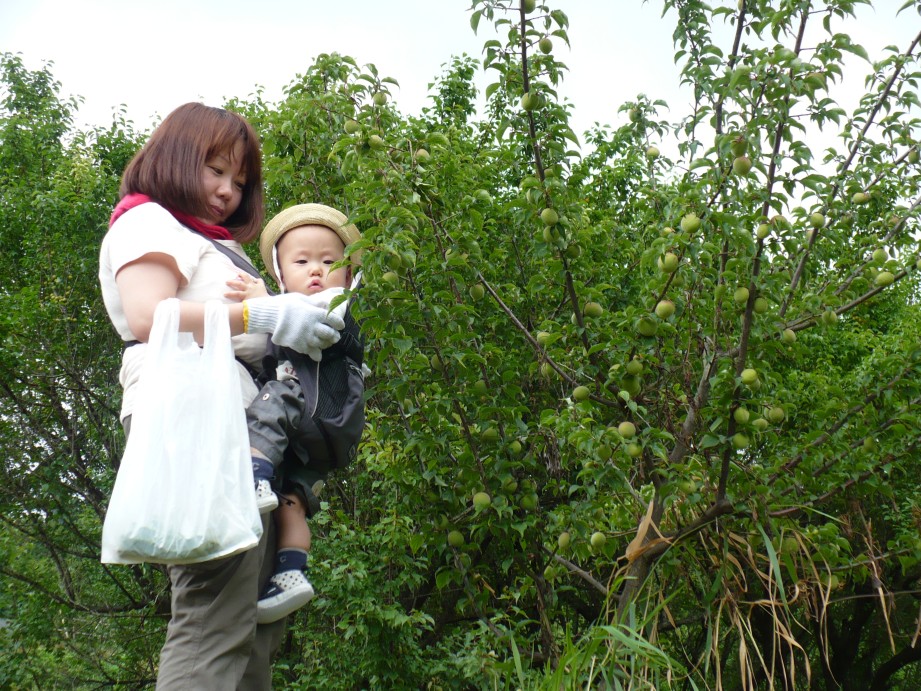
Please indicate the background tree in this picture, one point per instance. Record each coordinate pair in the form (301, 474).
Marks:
(639, 415)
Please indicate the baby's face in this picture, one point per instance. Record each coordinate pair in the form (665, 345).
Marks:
(305, 255)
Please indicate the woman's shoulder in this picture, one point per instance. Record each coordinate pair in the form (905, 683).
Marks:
(151, 224)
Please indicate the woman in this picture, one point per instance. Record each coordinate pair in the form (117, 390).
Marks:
(190, 196)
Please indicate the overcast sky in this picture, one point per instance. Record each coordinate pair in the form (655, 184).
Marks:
(152, 56)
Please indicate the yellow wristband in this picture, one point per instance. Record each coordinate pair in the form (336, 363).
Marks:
(245, 317)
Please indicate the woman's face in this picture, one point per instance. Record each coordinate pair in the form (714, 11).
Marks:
(223, 182)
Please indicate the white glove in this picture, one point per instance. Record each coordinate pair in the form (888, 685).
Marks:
(294, 323)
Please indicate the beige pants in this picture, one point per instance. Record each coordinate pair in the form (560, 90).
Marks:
(212, 641)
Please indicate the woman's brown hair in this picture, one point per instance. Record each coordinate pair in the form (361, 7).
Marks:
(168, 168)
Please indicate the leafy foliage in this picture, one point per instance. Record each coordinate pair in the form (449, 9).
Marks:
(641, 416)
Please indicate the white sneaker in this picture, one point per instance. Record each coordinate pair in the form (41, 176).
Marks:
(266, 499)
(286, 592)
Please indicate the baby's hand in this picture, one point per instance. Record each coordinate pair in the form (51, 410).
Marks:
(245, 287)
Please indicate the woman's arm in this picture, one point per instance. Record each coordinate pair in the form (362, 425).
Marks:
(144, 283)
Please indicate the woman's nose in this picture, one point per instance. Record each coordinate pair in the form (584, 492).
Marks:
(225, 189)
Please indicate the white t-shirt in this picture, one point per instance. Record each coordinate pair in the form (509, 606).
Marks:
(147, 229)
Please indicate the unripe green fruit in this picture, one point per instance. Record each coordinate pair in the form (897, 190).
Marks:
(647, 327)
(546, 370)
(549, 216)
(422, 155)
(515, 447)
(542, 337)
(626, 429)
(563, 541)
(665, 309)
(914, 156)
(380, 98)
(581, 393)
(604, 452)
(880, 255)
(634, 450)
(489, 434)
(749, 376)
(775, 414)
(529, 502)
(652, 153)
(739, 440)
(529, 101)
(632, 385)
(829, 317)
(573, 251)
(598, 539)
(817, 220)
(529, 5)
(481, 500)
(788, 336)
(456, 538)
(477, 291)
(593, 310)
(763, 231)
(738, 146)
(860, 198)
(391, 277)
(545, 45)
(634, 368)
(760, 424)
(741, 415)
(668, 262)
(761, 305)
(884, 278)
(375, 141)
(634, 114)
(740, 296)
(480, 388)
(436, 363)
(351, 126)
(550, 235)
(741, 165)
(690, 223)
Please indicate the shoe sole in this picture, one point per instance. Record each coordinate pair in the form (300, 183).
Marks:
(282, 605)
(267, 504)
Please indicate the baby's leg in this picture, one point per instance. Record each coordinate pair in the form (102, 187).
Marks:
(291, 521)
(288, 589)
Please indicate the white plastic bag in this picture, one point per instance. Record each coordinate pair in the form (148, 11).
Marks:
(184, 491)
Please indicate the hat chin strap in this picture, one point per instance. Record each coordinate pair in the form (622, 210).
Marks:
(281, 284)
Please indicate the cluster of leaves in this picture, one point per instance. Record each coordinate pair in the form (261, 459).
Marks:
(635, 419)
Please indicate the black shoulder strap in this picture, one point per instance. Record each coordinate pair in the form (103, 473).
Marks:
(238, 261)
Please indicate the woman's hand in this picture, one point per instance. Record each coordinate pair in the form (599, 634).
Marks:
(245, 286)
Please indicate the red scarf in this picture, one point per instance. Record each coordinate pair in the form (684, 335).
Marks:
(129, 201)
